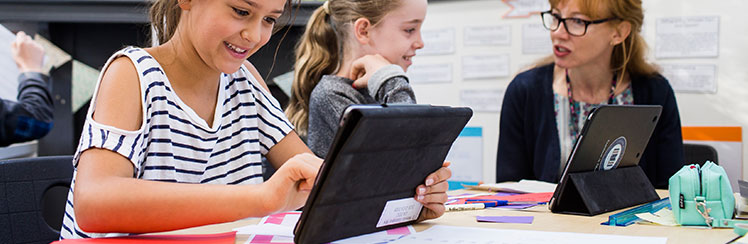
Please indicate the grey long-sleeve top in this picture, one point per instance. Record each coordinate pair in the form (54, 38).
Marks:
(333, 94)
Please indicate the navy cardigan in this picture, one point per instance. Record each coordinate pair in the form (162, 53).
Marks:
(528, 135)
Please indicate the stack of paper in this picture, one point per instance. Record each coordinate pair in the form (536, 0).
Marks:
(523, 186)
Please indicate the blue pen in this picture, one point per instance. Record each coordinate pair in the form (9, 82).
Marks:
(494, 203)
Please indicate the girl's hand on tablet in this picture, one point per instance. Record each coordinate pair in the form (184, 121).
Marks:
(290, 186)
(433, 193)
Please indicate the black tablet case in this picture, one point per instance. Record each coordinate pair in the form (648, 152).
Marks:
(586, 191)
(379, 154)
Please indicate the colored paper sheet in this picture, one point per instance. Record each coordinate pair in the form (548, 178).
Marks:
(84, 82)
(278, 229)
(529, 197)
(525, 8)
(226, 238)
(505, 219)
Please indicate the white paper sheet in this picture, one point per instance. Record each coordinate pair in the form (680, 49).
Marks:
(485, 66)
(482, 100)
(266, 229)
(687, 37)
(430, 73)
(700, 78)
(536, 39)
(8, 69)
(466, 156)
(399, 211)
(498, 35)
(437, 42)
(526, 8)
(663, 217)
(452, 234)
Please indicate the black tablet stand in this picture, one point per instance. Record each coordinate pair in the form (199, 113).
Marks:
(596, 192)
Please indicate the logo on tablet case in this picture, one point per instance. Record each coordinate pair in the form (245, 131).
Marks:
(614, 154)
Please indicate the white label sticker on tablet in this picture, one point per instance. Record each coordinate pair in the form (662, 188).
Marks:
(399, 211)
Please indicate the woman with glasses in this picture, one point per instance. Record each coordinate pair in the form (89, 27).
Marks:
(598, 58)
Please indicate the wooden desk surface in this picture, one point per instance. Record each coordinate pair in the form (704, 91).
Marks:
(544, 220)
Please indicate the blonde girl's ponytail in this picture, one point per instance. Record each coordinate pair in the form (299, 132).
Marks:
(321, 48)
(317, 54)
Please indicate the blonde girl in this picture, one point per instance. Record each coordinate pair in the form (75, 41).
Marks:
(352, 52)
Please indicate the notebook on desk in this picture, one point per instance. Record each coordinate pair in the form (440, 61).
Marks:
(368, 179)
(613, 136)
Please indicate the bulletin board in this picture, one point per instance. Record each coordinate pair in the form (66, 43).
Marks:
(473, 49)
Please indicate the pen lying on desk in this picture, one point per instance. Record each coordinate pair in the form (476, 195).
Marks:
(481, 204)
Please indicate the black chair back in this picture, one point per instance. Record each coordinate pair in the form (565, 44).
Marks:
(699, 154)
(33, 194)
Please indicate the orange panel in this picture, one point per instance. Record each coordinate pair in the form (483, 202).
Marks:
(698, 133)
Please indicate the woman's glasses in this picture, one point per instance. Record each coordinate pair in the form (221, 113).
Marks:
(574, 26)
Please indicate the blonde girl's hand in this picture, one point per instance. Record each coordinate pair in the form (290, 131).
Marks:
(291, 184)
(364, 67)
(28, 54)
(433, 193)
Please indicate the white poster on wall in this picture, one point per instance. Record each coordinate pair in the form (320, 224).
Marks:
(485, 66)
(438, 42)
(482, 100)
(466, 156)
(536, 39)
(699, 78)
(430, 73)
(687, 37)
(498, 35)
(8, 69)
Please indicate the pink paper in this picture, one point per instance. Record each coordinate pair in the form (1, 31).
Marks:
(399, 231)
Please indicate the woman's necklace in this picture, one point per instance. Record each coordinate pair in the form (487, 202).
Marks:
(574, 108)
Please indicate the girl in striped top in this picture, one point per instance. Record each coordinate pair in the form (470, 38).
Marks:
(175, 133)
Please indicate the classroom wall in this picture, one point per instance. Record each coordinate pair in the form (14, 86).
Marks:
(725, 106)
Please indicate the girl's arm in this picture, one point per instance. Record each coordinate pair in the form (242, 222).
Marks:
(108, 198)
(385, 82)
